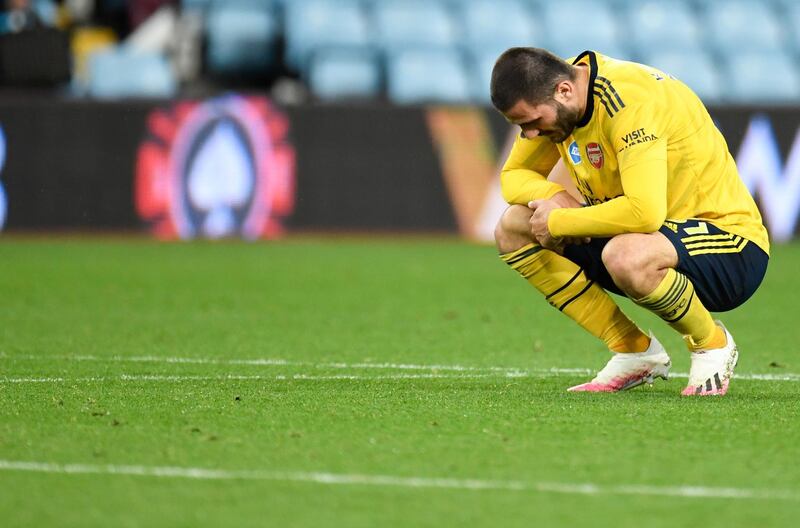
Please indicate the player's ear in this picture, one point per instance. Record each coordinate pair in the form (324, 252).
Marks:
(564, 91)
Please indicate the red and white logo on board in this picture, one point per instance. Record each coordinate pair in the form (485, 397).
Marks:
(595, 155)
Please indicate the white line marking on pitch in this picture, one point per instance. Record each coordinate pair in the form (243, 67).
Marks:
(335, 377)
(507, 371)
(238, 377)
(402, 482)
(788, 376)
(260, 362)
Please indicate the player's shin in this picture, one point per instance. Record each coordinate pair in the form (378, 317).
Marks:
(566, 287)
(674, 300)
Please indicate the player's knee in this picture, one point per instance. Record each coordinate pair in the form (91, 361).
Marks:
(635, 263)
(623, 258)
(512, 231)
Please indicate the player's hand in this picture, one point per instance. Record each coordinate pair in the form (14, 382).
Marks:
(564, 199)
(541, 213)
(539, 230)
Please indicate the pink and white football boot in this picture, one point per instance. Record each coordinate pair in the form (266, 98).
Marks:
(625, 371)
(712, 369)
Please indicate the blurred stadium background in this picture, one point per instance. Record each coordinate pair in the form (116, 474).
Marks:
(106, 105)
(329, 380)
(410, 51)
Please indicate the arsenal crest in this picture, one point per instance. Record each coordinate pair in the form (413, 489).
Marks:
(595, 155)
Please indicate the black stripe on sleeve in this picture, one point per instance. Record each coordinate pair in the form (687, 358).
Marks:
(613, 91)
(604, 94)
(605, 105)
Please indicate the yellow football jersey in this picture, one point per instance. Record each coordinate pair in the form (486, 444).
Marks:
(645, 151)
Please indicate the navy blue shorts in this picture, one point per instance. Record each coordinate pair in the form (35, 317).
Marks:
(724, 268)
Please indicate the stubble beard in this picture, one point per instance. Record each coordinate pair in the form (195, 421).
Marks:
(566, 120)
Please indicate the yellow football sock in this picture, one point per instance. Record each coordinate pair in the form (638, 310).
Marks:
(566, 287)
(675, 302)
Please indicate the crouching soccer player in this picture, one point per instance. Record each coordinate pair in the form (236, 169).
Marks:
(666, 220)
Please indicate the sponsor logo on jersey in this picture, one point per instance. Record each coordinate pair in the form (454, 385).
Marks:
(636, 137)
(595, 155)
(574, 153)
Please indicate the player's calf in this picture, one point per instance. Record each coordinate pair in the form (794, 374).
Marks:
(672, 296)
(566, 286)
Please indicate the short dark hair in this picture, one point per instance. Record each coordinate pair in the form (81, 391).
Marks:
(531, 74)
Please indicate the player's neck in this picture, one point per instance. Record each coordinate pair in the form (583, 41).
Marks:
(582, 86)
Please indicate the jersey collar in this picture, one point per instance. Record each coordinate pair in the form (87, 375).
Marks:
(587, 115)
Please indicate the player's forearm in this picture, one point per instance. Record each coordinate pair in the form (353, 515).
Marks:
(641, 209)
(520, 186)
(620, 215)
(565, 199)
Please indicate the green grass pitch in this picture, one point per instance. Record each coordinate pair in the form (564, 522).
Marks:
(364, 382)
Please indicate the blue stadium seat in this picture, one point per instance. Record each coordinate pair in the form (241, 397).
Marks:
(790, 13)
(316, 24)
(663, 25)
(400, 24)
(578, 25)
(742, 25)
(417, 76)
(694, 67)
(761, 77)
(196, 5)
(498, 24)
(242, 37)
(118, 73)
(481, 78)
(490, 28)
(344, 73)
(47, 11)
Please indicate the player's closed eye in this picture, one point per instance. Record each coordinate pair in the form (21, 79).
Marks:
(524, 126)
